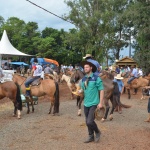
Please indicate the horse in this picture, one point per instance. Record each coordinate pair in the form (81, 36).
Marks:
(75, 78)
(46, 87)
(69, 84)
(12, 91)
(111, 92)
(135, 84)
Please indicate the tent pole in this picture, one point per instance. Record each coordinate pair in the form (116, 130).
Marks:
(1, 61)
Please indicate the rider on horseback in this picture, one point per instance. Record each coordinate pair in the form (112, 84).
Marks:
(133, 74)
(35, 74)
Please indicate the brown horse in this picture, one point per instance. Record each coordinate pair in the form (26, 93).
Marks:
(12, 91)
(75, 78)
(111, 92)
(46, 87)
(135, 84)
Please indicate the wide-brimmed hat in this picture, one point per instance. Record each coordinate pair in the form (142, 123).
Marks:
(87, 55)
(90, 64)
(99, 113)
(118, 77)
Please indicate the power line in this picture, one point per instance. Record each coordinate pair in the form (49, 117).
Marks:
(49, 12)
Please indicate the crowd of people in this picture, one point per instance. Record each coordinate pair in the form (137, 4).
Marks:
(91, 85)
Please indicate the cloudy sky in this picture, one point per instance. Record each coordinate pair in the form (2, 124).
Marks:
(28, 12)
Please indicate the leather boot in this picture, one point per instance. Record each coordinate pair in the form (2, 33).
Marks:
(90, 139)
(97, 136)
(27, 92)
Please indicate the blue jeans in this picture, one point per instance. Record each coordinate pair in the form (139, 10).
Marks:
(89, 116)
(131, 79)
(28, 82)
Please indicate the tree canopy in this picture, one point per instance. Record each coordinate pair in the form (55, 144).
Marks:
(103, 28)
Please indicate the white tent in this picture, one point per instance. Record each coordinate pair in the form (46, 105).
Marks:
(7, 49)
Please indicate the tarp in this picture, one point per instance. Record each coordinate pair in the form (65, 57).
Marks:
(44, 61)
(6, 47)
(51, 61)
(19, 63)
(41, 61)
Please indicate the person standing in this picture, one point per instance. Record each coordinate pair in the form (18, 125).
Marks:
(1, 74)
(48, 70)
(35, 74)
(88, 57)
(92, 87)
(118, 79)
(148, 106)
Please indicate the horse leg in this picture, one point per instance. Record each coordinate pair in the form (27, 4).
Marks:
(15, 110)
(129, 95)
(80, 102)
(32, 104)
(114, 104)
(28, 107)
(107, 110)
(124, 90)
(51, 105)
(136, 90)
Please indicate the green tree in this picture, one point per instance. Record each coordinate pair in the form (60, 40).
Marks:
(138, 15)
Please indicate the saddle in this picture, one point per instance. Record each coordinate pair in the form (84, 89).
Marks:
(35, 82)
(135, 81)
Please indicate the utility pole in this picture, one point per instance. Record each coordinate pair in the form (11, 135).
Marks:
(130, 44)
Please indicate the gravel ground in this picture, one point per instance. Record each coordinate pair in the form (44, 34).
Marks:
(41, 131)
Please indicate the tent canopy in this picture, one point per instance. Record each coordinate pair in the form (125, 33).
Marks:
(44, 61)
(51, 61)
(6, 48)
(19, 63)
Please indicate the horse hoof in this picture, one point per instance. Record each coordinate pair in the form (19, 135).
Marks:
(120, 112)
(102, 120)
(19, 117)
(110, 118)
(79, 114)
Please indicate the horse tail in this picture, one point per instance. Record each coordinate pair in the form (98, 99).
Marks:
(18, 97)
(56, 103)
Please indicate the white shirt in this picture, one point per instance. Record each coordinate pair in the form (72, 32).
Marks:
(140, 72)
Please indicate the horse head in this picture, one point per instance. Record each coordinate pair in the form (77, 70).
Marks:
(76, 76)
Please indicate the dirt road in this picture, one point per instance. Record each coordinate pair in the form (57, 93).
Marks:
(41, 131)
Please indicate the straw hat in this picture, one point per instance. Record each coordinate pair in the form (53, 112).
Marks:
(118, 77)
(87, 55)
(90, 64)
(99, 113)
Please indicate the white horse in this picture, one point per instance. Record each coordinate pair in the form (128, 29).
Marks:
(67, 79)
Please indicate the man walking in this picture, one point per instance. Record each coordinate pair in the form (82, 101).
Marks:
(92, 87)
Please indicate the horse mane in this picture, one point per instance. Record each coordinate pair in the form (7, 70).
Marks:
(76, 76)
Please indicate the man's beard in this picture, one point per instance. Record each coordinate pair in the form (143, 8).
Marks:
(87, 72)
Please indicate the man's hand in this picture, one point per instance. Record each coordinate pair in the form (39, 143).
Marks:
(99, 106)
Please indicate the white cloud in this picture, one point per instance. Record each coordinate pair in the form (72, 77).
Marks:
(28, 12)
